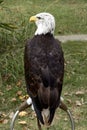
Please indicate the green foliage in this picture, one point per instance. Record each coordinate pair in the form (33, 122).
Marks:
(7, 26)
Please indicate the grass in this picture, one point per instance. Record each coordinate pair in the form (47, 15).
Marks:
(71, 17)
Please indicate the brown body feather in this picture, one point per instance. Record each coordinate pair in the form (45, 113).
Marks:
(44, 71)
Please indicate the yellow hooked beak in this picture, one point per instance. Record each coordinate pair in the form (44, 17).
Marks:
(33, 19)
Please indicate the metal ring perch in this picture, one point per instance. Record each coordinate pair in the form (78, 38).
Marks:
(28, 103)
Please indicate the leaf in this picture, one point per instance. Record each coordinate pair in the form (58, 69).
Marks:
(19, 93)
(5, 121)
(1, 121)
(3, 115)
(8, 26)
(69, 101)
(1, 93)
(13, 100)
(19, 83)
(65, 119)
(82, 101)
(11, 115)
(22, 98)
(78, 103)
(79, 93)
(22, 122)
(23, 113)
(67, 94)
(9, 87)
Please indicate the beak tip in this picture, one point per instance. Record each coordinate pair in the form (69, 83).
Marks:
(32, 19)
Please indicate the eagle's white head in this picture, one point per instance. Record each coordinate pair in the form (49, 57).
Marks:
(45, 23)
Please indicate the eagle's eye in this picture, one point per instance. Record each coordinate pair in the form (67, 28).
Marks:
(39, 17)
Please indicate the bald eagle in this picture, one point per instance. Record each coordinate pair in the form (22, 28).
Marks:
(44, 68)
(44, 72)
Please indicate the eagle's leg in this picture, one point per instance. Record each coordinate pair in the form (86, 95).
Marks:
(64, 107)
(39, 125)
